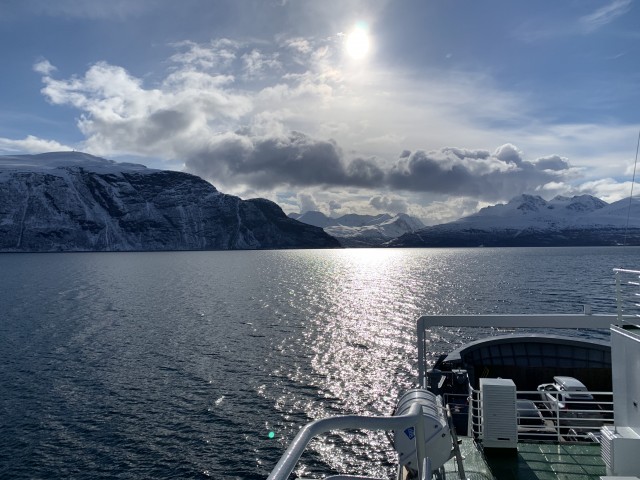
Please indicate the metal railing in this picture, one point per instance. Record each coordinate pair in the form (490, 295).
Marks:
(292, 455)
(552, 321)
(551, 419)
(628, 296)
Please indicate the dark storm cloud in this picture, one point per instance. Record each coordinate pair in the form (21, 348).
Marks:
(299, 160)
(294, 159)
(476, 174)
(364, 173)
(554, 162)
(421, 173)
(157, 125)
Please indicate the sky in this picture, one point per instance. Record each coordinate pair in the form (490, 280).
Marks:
(428, 107)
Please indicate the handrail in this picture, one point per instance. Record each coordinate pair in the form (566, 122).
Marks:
(563, 321)
(556, 420)
(291, 456)
(627, 296)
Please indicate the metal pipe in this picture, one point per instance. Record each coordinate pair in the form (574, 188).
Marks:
(426, 469)
(422, 360)
(619, 296)
(421, 446)
(292, 455)
(517, 321)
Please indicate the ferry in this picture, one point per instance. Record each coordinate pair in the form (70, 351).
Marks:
(517, 405)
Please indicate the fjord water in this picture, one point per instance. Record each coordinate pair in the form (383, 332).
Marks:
(179, 365)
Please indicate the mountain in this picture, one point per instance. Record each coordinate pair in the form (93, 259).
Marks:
(355, 220)
(530, 220)
(353, 230)
(70, 201)
(317, 219)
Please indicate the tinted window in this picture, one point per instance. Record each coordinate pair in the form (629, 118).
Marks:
(528, 414)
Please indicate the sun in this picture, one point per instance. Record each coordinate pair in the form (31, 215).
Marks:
(357, 43)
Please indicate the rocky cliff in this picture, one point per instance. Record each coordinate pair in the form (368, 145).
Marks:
(71, 201)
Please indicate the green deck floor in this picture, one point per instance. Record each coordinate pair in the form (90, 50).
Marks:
(543, 461)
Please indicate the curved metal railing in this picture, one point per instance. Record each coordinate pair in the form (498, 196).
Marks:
(292, 455)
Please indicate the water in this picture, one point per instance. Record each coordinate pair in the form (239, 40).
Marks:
(178, 365)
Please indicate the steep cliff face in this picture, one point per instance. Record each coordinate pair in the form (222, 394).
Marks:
(76, 202)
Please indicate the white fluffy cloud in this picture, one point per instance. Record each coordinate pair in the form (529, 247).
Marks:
(44, 67)
(31, 144)
(121, 116)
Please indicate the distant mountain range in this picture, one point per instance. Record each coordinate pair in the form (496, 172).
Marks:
(529, 220)
(70, 201)
(355, 230)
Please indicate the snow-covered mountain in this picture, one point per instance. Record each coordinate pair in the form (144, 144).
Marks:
(317, 219)
(355, 230)
(71, 201)
(529, 220)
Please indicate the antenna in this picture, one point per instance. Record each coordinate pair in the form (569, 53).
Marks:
(633, 181)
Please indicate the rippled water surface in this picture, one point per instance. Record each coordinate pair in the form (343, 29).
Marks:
(178, 365)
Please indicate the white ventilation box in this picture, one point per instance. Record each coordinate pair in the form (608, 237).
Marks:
(499, 414)
(620, 450)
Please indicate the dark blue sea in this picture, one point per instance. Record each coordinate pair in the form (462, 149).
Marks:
(178, 365)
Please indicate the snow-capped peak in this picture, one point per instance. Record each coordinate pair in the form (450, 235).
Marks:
(533, 211)
(578, 203)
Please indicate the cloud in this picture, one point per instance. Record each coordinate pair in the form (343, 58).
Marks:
(553, 162)
(257, 64)
(605, 15)
(121, 116)
(443, 211)
(223, 86)
(334, 205)
(44, 67)
(307, 203)
(546, 27)
(607, 189)
(219, 53)
(294, 159)
(384, 203)
(300, 45)
(31, 144)
(474, 174)
(222, 133)
(299, 160)
(509, 154)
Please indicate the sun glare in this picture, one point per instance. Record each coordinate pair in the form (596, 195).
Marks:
(357, 43)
